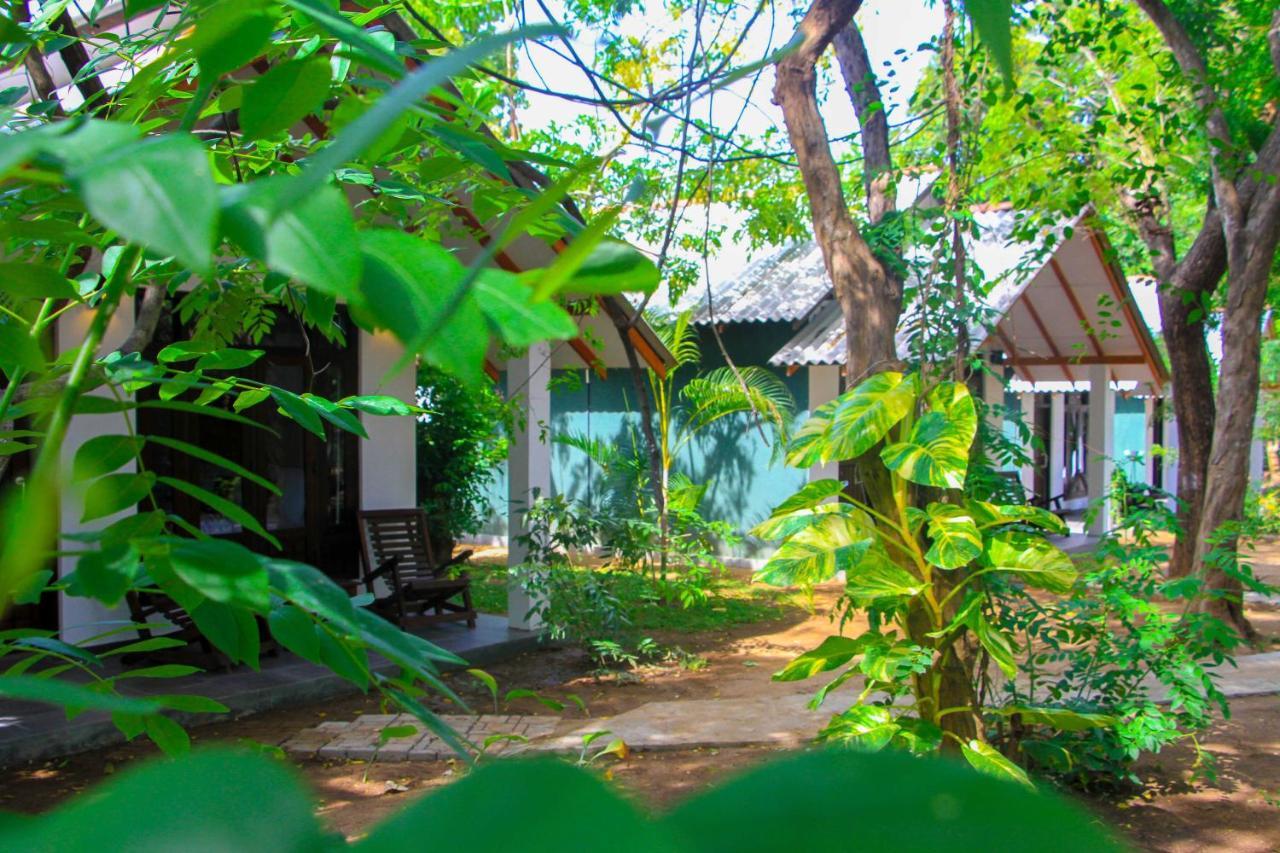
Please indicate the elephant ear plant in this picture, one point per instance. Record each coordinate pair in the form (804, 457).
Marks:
(922, 559)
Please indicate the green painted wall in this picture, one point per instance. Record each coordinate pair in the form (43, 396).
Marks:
(745, 479)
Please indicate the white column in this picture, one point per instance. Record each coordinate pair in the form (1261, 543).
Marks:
(388, 459)
(81, 618)
(528, 463)
(1028, 473)
(1057, 442)
(824, 386)
(1149, 424)
(1102, 413)
(1170, 478)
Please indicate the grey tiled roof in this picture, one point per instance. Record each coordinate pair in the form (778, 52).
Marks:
(784, 285)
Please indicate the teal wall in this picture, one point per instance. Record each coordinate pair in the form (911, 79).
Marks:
(1129, 443)
(745, 480)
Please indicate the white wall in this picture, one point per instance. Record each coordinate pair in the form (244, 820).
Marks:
(824, 386)
(388, 459)
(81, 618)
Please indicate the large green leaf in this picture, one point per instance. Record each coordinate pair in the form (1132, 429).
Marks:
(103, 454)
(810, 495)
(993, 21)
(1032, 558)
(115, 492)
(884, 801)
(34, 281)
(867, 728)
(956, 540)
(279, 99)
(158, 193)
(219, 800)
(990, 515)
(1064, 719)
(785, 526)
(74, 697)
(222, 571)
(877, 576)
(362, 133)
(232, 630)
(833, 652)
(507, 303)
(833, 544)
(954, 400)
(106, 574)
(808, 443)
(313, 240)
(865, 415)
(559, 809)
(417, 289)
(936, 453)
(229, 36)
(18, 350)
(986, 759)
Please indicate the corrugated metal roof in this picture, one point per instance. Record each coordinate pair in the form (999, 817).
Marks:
(1006, 264)
(784, 285)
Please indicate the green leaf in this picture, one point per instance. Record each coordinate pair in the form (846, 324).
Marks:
(250, 398)
(158, 193)
(835, 543)
(936, 453)
(168, 735)
(166, 670)
(379, 404)
(785, 526)
(222, 571)
(222, 506)
(56, 691)
(105, 575)
(809, 443)
(296, 631)
(560, 808)
(507, 303)
(990, 515)
(356, 137)
(214, 459)
(207, 800)
(313, 240)
(992, 20)
(103, 454)
(33, 281)
(232, 630)
(986, 759)
(116, 492)
(298, 411)
(1031, 558)
(613, 266)
(877, 576)
(370, 50)
(229, 36)
(1063, 719)
(809, 496)
(393, 732)
(342, 418)
(867, 728)
(18, 350)
(864, 416)
(415, 289)
(283, 96)
(833, 652)
(191, 703)
(183, 351)
(889, 801)
(956, 540)
(228, 359)
(954, 400)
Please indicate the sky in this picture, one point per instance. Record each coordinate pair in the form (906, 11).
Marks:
(892, 29)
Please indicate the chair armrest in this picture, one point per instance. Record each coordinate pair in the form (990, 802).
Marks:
(388, 566)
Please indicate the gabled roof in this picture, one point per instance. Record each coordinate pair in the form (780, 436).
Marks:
(784, 285)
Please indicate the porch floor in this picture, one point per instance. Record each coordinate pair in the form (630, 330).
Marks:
(30, 731)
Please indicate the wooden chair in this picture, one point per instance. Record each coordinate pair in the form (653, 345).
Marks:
(154, 608)
(396, 548)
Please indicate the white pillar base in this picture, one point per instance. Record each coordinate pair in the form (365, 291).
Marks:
(824, 386)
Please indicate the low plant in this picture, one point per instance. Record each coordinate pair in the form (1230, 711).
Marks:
(1124, 648)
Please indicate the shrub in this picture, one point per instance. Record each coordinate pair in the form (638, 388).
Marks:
(462, 440)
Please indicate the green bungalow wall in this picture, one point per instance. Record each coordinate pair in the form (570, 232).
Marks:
(745, 480)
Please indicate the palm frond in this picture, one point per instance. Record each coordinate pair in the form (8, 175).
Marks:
(678, 335)
(720, 393)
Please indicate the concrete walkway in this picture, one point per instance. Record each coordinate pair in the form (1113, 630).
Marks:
(783, 721)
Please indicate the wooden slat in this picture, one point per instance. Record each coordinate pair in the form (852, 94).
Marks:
(1012, 351)
(1044, 332)
(1034, 361)
(1076, 306)
(1127, 308)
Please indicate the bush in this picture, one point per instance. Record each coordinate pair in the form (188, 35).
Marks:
(1103, 651)
(461, 442)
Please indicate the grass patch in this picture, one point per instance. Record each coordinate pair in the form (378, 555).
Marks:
(730, 601)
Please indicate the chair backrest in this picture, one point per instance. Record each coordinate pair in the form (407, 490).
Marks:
(398, 533)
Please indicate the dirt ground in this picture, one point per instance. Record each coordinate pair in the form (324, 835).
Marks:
(1241, 812)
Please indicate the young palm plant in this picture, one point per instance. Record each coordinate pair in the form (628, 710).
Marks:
(922, 559)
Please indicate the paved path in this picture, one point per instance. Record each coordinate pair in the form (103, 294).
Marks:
(783, 721)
